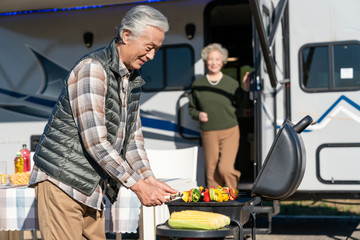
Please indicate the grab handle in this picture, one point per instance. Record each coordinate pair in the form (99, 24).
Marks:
(302, 124)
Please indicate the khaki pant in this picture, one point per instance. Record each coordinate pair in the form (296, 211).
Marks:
(220, 150)
(61, 217)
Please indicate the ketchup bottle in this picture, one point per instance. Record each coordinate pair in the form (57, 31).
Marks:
(25, 154)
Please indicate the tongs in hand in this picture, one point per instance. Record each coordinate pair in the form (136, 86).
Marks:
(173, 196)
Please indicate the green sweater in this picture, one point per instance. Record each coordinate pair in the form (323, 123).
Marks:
(218, 101)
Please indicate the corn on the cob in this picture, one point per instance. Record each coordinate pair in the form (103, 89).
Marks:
(195, 219)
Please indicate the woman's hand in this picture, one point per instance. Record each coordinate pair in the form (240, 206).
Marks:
(246, 81)
(203, 117)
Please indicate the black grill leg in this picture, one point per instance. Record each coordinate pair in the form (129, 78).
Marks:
(241, 230)
(253, 225)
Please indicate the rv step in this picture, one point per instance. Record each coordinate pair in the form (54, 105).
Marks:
(264, 209)
(248, 231)
(264, 215)
(244, 186)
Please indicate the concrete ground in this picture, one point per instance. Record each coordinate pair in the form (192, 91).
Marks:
(314, 228)
(295, 228)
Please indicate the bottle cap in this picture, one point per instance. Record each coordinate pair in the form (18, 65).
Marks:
(18, 154)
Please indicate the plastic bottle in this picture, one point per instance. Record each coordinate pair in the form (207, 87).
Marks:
(25, 154)
(19, 163)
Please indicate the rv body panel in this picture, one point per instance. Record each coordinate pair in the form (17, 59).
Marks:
(332, 145)
(38, 52)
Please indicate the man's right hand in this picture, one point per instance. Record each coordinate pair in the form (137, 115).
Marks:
(148, 194)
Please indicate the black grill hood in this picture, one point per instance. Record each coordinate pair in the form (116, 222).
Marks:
(284, 166)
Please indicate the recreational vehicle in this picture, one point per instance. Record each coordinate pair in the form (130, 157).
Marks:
(305, 55)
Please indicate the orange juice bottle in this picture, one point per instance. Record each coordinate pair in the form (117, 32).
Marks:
(19, 163)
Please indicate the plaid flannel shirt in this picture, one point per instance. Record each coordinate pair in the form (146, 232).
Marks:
(87, 88)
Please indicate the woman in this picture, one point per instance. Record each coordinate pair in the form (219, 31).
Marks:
(213, 102)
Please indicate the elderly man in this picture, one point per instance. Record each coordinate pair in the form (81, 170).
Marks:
(93, 141)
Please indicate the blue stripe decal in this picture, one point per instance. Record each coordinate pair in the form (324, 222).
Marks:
(146, 122)
(165, 125)
(159, 124)
(47, 103)
(72, 8)
(342, 97)
(327, 112)
(11, 93)
(36, 100)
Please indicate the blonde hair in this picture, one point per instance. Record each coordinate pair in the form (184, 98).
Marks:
(212, 47)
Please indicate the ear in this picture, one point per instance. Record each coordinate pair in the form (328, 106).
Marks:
(126, 36)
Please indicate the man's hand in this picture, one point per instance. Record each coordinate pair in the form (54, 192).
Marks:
(152, 192)
(159, 184)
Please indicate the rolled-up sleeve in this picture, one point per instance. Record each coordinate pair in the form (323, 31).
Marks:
(136, 154)
(87, 90)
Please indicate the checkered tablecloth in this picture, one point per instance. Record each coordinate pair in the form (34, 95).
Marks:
(124, 214)
(18, 210)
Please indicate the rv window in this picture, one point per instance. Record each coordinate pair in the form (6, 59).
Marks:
(316, 68)
(330, 67)
(347, 66)
(153, 73)
(171, 69)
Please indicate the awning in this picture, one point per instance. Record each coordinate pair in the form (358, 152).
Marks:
(28, 5)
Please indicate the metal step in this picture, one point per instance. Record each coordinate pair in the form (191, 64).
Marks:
(264, 209)
(269, 212)
(247, 231)
(245, 186)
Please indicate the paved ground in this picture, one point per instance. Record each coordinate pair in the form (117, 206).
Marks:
(315, 228)
(305, 228)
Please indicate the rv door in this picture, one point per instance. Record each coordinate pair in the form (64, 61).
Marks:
(269, 22)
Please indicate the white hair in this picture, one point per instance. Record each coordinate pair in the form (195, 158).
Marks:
(138, 18)
(212, 47)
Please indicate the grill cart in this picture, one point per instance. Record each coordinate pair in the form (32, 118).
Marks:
(279, 178)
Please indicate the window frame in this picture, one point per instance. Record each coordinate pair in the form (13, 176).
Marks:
(164, 69)
(331, 59)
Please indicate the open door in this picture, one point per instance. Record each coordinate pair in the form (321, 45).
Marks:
(229, 23)
(270, 95)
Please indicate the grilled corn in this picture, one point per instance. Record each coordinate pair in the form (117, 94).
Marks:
(194, 219)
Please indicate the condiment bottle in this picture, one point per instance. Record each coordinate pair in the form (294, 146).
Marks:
(19, 163)
(25, 154)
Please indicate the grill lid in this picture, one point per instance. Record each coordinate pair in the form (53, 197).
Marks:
(284, 166)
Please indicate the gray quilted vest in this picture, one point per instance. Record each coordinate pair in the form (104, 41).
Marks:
(60, 152)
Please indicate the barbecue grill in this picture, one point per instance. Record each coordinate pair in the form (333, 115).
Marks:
(279, 178)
